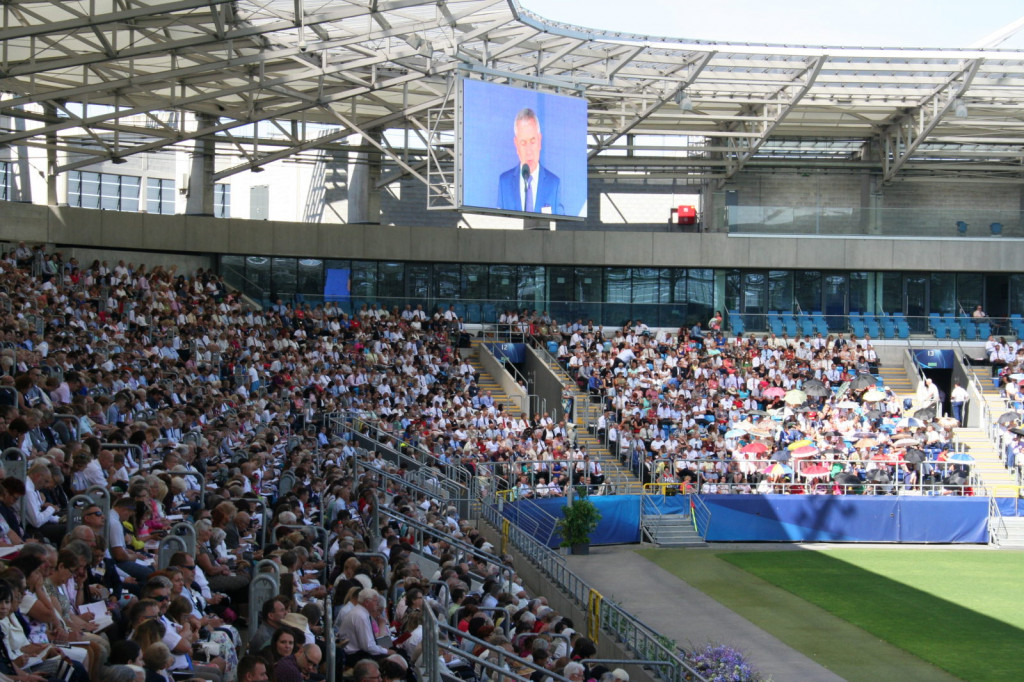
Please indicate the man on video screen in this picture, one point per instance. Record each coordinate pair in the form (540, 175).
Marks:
(529, 186)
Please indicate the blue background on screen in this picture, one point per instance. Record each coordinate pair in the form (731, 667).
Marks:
(488, 113)
(337, 286)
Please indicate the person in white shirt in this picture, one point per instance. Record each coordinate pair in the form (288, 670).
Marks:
(357, 628)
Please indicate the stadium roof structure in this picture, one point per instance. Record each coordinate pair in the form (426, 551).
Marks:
(104, 79)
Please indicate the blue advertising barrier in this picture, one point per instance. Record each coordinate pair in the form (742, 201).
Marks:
(800, 518)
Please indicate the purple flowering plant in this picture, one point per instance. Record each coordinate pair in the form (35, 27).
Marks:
(720, 663)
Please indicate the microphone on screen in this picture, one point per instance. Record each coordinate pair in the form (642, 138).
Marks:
(526, 171)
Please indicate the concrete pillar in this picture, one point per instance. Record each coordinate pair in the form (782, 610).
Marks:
(876, 201)
(199, 198)
(51, 157)
(363, 195)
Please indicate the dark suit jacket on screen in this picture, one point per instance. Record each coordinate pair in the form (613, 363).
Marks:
(549, 192)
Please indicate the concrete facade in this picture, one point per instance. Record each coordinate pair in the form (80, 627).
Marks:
(94, 229)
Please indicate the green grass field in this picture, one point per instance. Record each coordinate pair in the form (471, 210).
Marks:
(961, 611)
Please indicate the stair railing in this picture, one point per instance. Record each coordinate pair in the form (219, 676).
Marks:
(996, 524)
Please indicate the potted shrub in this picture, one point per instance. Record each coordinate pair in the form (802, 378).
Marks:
(578, 521)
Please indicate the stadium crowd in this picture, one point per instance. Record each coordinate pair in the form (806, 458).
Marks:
(138, 401)
(705, 412)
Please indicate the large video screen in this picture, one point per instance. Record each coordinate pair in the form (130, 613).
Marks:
(523, 151)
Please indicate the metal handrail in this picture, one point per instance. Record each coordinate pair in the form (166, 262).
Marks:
(996, 524)
(629, 631)
(347, 423)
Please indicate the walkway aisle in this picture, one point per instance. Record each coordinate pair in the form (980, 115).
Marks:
(683, 613)
(678, 611)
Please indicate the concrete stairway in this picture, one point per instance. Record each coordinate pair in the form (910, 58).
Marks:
(1011, 535)
(988, 464)
(671, 530)
(895, 377)
(618, 478)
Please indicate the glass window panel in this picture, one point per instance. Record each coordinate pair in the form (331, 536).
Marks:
(700, 295)
(283, 278)
(417, 283)
(74, 188)
(970, 291)
(646, 285)
(780, 290)
(90, 190)
(753, 293)
(311, 277)
(618, 293)
(890, 293)
(1016, 294)
(391, 282)
(807, 290)
(560, 284)
(560, 293)
(257, 270)
(733, 289)
(364, 281)
(859, 301)
(834, 290)
(531, 285)
(474, 282)
(589, 285)
(617, 285)
(503, 283)
(942, 293)
(447, 279)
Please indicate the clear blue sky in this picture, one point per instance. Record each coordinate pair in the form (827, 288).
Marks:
(869, 23)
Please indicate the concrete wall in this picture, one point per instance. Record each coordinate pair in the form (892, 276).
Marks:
(201, 235)
(545, 384)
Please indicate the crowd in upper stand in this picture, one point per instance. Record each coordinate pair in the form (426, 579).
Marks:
(716, 414)
(164, 399)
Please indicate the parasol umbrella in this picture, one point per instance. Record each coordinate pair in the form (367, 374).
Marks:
(948, 422)
(847, 405)
(926, 413)
(774, 392)
(1017, 377)
(816, 388)
(909, 423)
(847, 478)
(960, 458)
(804, 452)
(735, 433)
(873, 395)
(780, 456)
(796, 397)
(799, 444)
(776, 470)
(914, 456)
(1009, 417)
(879, 476)
(863, 381)
(754, 449)
(866, 443)
(815, 471)
(874, 414)
(957, 478)
(903, 442)
(1017, 431)
(760, 413)
(832, 453)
